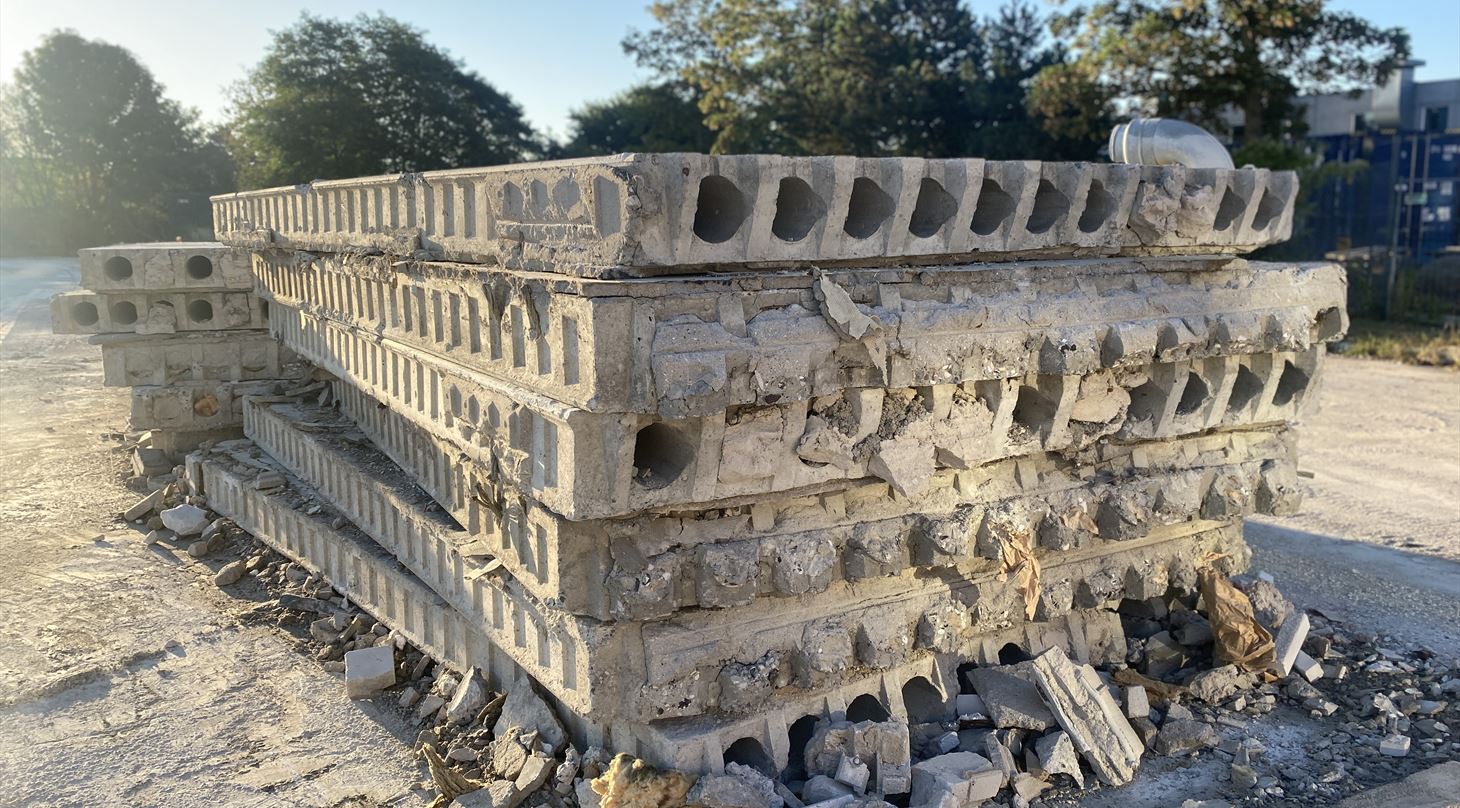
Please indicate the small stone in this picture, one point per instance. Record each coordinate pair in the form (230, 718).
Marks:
(534, 773)
(1057, 756)
(1137, 702)
(524, 708)
(229, 574)
(1289, 643)
(1183, 735)
(409, 697)
(1214, 686)
(462, 754)
(851, 771)
(156, 536)
(966, 777)
(1027, 787)
(1307, 667)
(429, 706)
(821, 788)
(185, 520)
(468, 698)
(1164, 656)
(1394, 745)
(1243, 777)
(368, 671)
(947, 742)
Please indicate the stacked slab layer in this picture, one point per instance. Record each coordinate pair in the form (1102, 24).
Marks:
(705, 446)
(178, 323)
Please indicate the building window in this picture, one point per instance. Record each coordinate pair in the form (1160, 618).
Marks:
(1437, 119)
(1361, 123)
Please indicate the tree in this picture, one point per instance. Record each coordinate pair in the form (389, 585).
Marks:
(91, 152)
(820, 76)
(1198, 59)
(648, 118)
(867, 77)
(1015, 43)
(335, 99)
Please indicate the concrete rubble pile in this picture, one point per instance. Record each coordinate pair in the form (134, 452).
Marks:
(180, 324)
(783, 471)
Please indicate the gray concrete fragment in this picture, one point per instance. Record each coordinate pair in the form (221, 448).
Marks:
(526, 709)
(1012, 698)
(1289, 643)
(468, 698)
(368, 670)
(185, 520)
(1057, 756)
(964, 776)
(1086, 710)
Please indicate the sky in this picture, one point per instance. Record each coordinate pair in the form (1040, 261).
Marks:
(551, 56)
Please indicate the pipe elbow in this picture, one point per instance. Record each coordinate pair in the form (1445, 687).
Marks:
(1166, 142)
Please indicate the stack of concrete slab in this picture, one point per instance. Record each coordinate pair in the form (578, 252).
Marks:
(179, 323)
(712, 449)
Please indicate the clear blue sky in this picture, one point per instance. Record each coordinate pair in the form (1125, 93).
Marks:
(549, 55)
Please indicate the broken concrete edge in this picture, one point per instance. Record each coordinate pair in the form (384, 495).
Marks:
(583, 465)
(572, 567)
(681, 353)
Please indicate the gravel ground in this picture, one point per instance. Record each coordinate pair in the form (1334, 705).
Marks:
(128, 679)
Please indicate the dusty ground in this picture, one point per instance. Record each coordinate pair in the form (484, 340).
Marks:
(127, 679)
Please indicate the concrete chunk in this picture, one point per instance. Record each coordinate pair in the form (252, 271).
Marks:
(1289, 643)
(1057, 756)
(967, 777)
(185, 520)
(1085, 709)
(369, 670)
(1012, 699)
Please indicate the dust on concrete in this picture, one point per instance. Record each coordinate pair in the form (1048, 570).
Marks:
(128, 679)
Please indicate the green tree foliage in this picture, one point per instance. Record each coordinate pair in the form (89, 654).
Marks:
(334, 99)
(92, 153)
(1197, 59)
(647, 118)
(866, 77)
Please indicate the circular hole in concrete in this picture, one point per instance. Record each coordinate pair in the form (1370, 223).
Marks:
(1050, 205)
(1230, 209)
(200, 311)
(995, 206)
(750, 752)
(117, 268)
(720, 210)
(935, 207)
(798, 209)
(84, 313)
(867, 707)
(1099, 205)
(661, 454)
(867, 209)
(199, 267)
(124, 312)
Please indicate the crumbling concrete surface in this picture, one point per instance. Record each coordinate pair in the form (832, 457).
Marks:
(231, 715)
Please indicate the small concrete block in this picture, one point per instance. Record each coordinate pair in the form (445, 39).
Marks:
(428, 706)
(947, 742)
(144, 506)
(1307, 667)
(821, 788)
(1289, 643)
(534, 773)
(969, 704)
(368, 670)
(970, 778)
(150, 462)
(1137, 702)
(1395, 746)
(185, 520)
(851, 771)
(469, 697)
